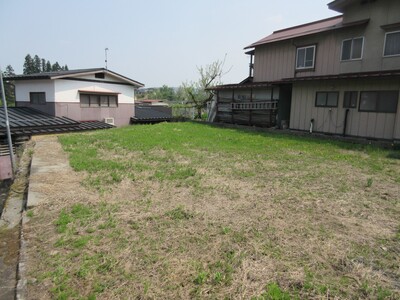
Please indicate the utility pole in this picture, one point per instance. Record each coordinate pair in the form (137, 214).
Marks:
(10, 146)
(105, 51)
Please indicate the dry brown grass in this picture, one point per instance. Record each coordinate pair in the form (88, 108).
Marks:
(317, 230)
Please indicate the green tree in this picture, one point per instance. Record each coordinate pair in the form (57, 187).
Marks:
(8, 87)
(166, 93)
(56, 67)
(29, 67)
(48, 66)
(37, 64)
(198, 93)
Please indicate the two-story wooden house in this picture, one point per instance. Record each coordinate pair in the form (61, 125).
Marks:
(337, 76)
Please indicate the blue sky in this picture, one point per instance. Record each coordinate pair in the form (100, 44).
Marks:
(155, 42)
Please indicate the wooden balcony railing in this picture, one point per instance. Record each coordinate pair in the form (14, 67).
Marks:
(266, 105)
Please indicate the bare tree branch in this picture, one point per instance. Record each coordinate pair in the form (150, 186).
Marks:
(199, 93)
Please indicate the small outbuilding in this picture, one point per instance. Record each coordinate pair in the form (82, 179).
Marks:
(82, 95)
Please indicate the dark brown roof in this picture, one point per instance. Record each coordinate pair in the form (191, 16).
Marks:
(374, 74)
(339, 5)
(246, 85)
(329, 24)
(72, 73)
(28, 121)
(357, 75)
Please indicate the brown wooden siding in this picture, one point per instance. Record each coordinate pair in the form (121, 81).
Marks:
(276, 61)
(331, 120)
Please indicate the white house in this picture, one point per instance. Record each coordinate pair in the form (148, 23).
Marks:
(82, 95)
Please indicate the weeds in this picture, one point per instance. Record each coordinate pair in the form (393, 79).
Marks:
(193, 211)
(369, 182)
(273, 292)
(179, 213)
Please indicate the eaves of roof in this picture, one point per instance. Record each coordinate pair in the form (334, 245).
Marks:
(250, 85)
(74, 73)
(356, 75)
(340, 5)
(320, 26)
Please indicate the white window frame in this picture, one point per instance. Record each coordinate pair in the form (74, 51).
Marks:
(384, 44)
(351, 49)
(297, 57)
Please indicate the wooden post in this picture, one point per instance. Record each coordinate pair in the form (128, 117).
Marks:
(232, 110)
(216, 108)
(251, 111)
(270, 112)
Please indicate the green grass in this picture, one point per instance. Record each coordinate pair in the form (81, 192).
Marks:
(162, 144)
(274, 292)
(196, 211)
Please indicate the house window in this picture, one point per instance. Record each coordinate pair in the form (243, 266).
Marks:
(350, 99)
(392, 44)
(305, 57)
(379, 101)
(37, 98)
(352, 48)
(98, 100)
(327, 99)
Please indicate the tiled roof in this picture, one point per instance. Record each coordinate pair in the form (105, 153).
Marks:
(28, 121)
(72, 73)
(150, 114)
(329, 24)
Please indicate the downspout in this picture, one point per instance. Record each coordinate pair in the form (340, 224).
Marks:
(311, 125)
(345, 121)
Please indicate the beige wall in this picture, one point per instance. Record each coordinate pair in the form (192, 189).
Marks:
(276, 61)
(331, 120)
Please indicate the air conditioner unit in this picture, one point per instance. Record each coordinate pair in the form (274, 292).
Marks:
(109, 121)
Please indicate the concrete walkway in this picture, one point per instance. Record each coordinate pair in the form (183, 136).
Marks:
(10, 228)
(48, 159)
(45, 162)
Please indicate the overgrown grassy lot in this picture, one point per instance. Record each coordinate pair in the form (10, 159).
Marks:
(191, 211)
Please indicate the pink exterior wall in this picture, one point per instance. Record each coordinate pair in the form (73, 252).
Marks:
(5, 167)
(121, 114)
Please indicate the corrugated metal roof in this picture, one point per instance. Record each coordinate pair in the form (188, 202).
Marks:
(333, 23)
(28, 121)
(72, 73)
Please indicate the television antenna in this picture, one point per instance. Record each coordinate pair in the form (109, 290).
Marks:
(105, 52)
